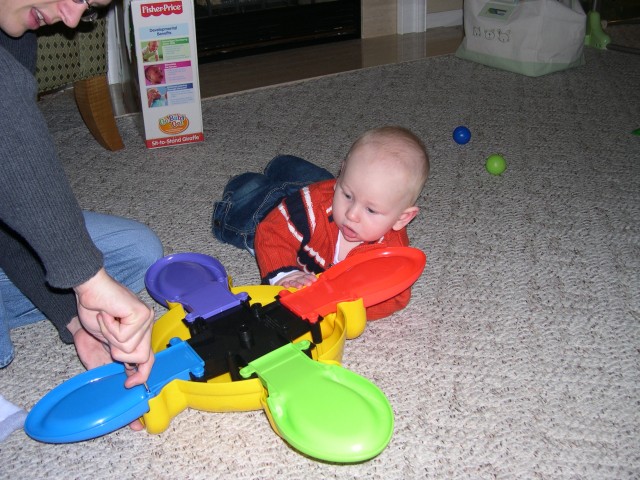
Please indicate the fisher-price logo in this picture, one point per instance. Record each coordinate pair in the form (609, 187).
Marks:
(173, 123)
(157, 9)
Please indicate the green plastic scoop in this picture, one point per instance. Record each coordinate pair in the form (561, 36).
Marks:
(323, 410)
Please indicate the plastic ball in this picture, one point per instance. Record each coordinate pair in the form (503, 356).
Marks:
(461, 135)
(495, 164)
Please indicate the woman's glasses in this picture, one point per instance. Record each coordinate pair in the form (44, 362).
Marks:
(90, 14)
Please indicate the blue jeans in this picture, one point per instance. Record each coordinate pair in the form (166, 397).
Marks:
(249, 197)
(129, 249)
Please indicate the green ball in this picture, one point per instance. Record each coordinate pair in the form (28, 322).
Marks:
(495, 164)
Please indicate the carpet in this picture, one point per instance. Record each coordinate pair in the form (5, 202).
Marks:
(519, 354)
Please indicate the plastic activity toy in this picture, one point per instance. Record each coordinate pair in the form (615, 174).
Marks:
(495, 164)
(461, 135)
(220, 348)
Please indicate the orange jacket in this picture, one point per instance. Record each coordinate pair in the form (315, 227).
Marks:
(300, 234)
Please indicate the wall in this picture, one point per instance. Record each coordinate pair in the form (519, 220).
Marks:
(444, 13)
(379, 18)
(390, 17)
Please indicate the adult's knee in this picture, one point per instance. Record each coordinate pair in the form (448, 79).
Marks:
(149, 248)
(138, 247)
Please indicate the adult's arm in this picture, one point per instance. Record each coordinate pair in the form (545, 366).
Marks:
(36, 200)
(41, 220)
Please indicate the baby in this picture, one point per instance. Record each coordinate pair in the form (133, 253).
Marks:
(150, 52)
(371, 202)
(368, 206)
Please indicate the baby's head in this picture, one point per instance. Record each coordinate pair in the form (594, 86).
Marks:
(379, 183)
(154, 74)
(393, 156)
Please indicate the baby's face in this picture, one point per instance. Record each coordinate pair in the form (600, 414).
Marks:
(153, 94)
(370, 197)
(154, 75)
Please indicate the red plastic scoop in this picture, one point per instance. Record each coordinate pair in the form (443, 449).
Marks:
(374, 276)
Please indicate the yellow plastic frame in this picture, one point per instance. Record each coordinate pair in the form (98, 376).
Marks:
(221, 394)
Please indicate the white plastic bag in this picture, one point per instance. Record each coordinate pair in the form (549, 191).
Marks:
(531, 37)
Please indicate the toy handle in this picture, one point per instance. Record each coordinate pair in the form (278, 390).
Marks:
(321, 409)
(374, 276)
(96, 402)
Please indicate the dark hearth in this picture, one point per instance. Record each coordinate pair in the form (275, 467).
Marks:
(227, 28)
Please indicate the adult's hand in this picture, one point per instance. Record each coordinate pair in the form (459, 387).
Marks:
(114, 315)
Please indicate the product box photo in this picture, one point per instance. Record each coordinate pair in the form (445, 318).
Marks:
(167, 68)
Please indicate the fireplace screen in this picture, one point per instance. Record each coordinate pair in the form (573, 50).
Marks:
(227, 28)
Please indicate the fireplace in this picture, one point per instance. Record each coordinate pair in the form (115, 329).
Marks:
(228, 28)
(233, 28)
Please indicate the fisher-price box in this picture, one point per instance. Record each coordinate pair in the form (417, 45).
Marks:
(167, 67)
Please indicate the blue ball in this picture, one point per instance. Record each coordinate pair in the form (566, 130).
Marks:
(461, 135)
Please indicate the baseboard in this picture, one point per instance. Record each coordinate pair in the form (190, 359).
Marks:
(452, 18)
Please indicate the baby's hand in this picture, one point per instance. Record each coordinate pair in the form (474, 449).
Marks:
(297, 280)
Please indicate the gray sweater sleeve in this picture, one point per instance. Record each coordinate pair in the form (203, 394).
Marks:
(39, 215)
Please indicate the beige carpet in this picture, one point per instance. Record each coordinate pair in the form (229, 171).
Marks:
(519, 355)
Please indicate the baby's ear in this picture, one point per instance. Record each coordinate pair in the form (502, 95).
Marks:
(405, 217)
